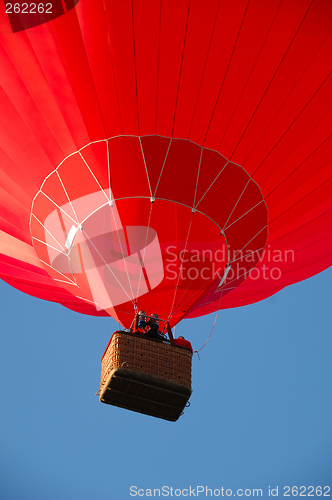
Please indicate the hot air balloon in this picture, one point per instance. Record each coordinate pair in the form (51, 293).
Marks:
(172, 157)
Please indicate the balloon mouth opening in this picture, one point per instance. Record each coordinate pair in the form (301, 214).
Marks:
(118, 236)
(122, 263)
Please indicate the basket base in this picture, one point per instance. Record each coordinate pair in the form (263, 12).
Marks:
(145, 394)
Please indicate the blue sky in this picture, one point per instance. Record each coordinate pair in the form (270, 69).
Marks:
(260, 414)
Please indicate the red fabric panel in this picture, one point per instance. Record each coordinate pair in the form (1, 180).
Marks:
(70, 44)
(179, 176)
(155, 153)
(120, 41)
(227, 25)
(251, 81)
(94, 30)
(146, 26)
(174, 16)
(195, 53)
(124, 152)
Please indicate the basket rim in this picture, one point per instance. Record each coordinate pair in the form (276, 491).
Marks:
(149, 339)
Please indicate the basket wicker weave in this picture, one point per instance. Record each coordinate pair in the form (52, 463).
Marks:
(146, 375)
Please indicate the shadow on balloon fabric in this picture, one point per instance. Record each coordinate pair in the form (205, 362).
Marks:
(26, 15)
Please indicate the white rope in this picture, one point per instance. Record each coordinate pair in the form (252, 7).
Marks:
(146, 169)
(262, 201)
(108, 266)
(170, 142)
(63, 187)
(230, 215)
(191, 281)
(208, 189)
(70, 282)
(142, 264)
(45, 228)
(93, 175)
(199, 168)
(123, 256)
(179, 273)
(62, 210)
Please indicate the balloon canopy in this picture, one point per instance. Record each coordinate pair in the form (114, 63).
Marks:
(168, 156)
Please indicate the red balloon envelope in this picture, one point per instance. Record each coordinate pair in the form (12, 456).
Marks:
(167, 156)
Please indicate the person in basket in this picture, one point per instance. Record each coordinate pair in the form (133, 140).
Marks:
(153, 330)
(183, 342)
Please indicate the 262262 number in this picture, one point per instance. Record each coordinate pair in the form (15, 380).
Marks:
(32, 8)
(302, 491)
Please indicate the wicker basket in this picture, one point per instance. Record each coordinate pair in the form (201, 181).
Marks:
(146, 375)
